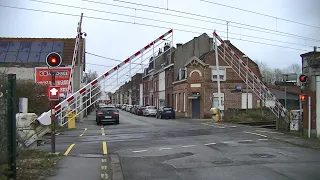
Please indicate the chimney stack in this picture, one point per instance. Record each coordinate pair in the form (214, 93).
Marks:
(166, 47)
(315, 48)
(179, 44)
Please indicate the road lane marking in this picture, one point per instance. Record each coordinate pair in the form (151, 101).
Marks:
(165, 148)
(85, 129)
(104, 167)
(102, 132)
(210, 144)
(271, 132)
(104, 176)
(263, 139)
(104, 148)
(188, 146)
(221, 127)
(233, 126)
(246, 140)
(104, 160)
(140, 151)
(69, 149)
(255, 134)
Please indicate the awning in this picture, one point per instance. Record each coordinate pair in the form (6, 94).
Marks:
(194, 97)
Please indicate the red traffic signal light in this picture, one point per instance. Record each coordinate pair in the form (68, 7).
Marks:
(53, 59)
(54, 92)
(303, 78)
(303, 97)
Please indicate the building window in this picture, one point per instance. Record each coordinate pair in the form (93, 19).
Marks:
(222, 74)
(182, 73)
(184, 102)
(176, 101)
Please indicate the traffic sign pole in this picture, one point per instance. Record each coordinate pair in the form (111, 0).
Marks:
(53, 127)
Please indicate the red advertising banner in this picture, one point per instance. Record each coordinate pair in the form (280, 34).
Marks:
(42, 75)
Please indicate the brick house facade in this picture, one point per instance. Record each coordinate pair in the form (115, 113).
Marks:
(195, 94)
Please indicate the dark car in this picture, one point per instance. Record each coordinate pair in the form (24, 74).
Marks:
(166, 112)
(106, 114)
(139, 110)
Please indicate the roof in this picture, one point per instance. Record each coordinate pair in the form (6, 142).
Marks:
(67, 52)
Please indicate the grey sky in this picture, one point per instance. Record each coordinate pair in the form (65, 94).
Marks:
(120, 40)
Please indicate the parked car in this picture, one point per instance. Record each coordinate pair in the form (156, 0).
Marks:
(150, 111)
(166, 112)
(124, 107)
(106, 114)
(139, 110)
(128, 108)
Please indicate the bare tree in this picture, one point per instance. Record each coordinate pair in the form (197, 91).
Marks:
(294, 68)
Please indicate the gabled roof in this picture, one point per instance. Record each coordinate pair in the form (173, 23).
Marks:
(194, 58)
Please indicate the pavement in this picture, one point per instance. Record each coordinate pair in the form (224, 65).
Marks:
(146, 148)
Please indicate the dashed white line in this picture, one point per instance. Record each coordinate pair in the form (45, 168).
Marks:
(263, 139)
(139, 151)
(246, 140)
(188, 146)
(210, 144)
(165, 148)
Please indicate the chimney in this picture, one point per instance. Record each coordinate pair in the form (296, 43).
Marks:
(315, 48)
(179, 44)
(159, 51)
(166, 47)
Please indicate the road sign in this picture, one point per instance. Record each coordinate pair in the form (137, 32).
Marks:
(43, 76)
(54, 92)
(53, 59)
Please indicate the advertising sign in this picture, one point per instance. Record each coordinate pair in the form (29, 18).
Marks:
(43, 76)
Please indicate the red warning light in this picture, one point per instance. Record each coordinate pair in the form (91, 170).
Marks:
(303, 78)
(53, 59)
(303, 97)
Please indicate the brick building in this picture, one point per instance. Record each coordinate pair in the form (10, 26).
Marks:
(135, 88)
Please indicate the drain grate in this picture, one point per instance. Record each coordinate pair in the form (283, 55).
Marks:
(262, 155)
(90, 155)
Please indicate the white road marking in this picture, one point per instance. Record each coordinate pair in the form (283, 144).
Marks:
(165, 148)
(188, 146)
(271, 132)
(139, 151)
(246, 140)
(263, 139)
(210, 144)
(233, 126)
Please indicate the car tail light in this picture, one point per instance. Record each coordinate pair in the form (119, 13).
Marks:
(115, 113)
(100, 113)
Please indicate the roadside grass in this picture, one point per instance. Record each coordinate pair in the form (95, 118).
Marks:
(35, 164)
(243, 117)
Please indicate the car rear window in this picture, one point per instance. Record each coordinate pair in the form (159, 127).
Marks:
(167, 108)
(109, 109)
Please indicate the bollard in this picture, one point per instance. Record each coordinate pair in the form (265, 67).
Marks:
(71, 120)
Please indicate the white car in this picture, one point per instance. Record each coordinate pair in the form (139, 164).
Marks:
(129, 108)
(150, 111)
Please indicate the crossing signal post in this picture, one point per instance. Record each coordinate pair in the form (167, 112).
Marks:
(303, 98)
(53, 60)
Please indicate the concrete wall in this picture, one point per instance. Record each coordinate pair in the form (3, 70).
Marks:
(196, 47)
(21, 72)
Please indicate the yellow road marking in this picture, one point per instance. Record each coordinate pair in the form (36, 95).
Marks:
(102, 132)
(103, 167)
(104, 147)
(69, 149)
(255, 134)
(104, 176)
(221, 127)
(85, 129)
(271, 132)
(103, 160)
(81, 135)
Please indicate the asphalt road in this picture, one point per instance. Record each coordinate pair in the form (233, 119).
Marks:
(156, 149)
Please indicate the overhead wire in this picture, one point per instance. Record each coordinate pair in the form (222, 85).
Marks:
(148, 25)
(203, 16)
(156, 20)
(261, 14)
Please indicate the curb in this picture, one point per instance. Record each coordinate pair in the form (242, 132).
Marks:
(117, 173)
(297, 144)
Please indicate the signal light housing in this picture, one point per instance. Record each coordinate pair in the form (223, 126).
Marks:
(53, 59)
(303, 97)
(303, 78)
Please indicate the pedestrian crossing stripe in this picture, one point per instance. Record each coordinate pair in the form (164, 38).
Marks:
(104, 160)
(104, 167)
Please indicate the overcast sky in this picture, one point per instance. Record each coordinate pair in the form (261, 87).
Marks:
(120, 40)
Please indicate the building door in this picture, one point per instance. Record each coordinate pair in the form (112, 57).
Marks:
(195, 109)
(244, 101)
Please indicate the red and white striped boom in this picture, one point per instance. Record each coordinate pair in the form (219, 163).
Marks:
(74, 57)
(257, 86)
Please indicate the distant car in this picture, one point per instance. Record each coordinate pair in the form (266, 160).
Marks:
(139, 110)
(166, 112)
(150, 111)
(106, 114)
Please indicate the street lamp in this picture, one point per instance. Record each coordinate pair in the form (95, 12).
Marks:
(247, 98)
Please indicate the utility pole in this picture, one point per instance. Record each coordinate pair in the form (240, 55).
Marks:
(247, 88)
(218, 74)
